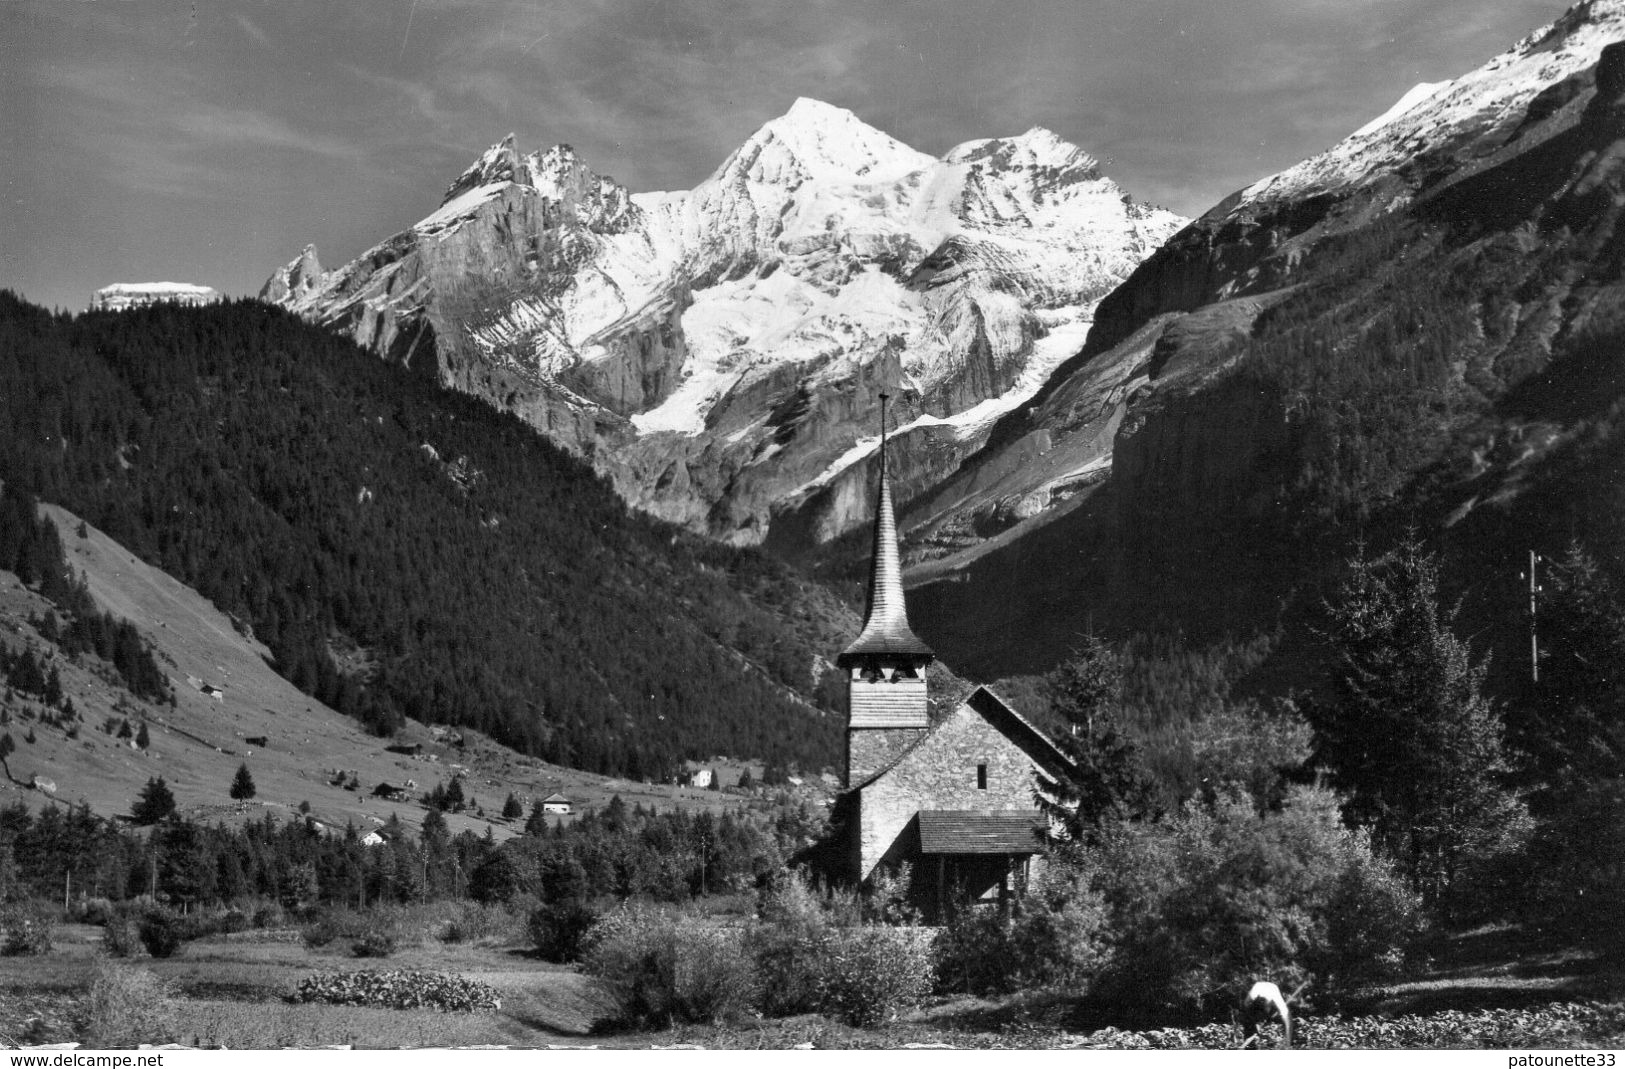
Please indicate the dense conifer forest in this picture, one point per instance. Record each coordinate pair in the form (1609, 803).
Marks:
(404, 550)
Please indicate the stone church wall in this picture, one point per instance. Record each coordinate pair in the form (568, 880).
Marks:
(941, 774)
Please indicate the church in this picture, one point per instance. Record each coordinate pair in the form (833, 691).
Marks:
(952, 799)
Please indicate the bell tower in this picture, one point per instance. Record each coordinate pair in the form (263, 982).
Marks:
(885, 665)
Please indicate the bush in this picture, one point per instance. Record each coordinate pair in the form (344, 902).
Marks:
(93, 911)
(232, 921)
(475, 921)
(399, 990)
(1060, 937)
(973, 954)
(121, 936)
(25, 931)
(791, 969)
(270, 915)
(162, 933)
(319, 933)
(328, 925)
(127, 1007)
(1373, 916)
(658, 969)
(791, 946)
(874, 973)
(1202, 904)
(375, 943)
(559, 930)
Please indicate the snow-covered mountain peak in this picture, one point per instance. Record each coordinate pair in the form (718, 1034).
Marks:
(555, 161)
(1482, 107)
(126, 295)
(815, 140)
(499, 163)
(676, 331)
(1038, 147)
(559, 174)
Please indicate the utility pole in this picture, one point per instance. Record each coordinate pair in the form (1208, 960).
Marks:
(1534, 597)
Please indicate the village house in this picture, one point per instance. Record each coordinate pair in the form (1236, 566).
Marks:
(556, 803)
(953, 799)
(390, 793)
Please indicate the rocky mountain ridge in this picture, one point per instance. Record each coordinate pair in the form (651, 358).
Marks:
(717, 352)
(1411, 328)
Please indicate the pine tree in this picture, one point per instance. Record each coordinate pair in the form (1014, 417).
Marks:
(7, 748)
(536, 823)
(142, 739)
(1106, 780)
(512, 809)
(1406, 730)
(155, 802)
(242, 786)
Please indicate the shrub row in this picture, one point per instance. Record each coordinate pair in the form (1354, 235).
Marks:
(398, 989)
(657, 968)
(126, 933)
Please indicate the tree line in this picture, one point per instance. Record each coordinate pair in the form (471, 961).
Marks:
(618, 852)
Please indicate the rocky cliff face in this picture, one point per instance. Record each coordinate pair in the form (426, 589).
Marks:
(1418, 326)
(717, 352)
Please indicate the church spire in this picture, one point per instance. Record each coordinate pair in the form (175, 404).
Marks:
(885, 624)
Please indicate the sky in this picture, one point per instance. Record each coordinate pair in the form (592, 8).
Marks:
(209, 142)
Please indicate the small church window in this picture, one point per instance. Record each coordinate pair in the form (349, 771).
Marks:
(981, 777)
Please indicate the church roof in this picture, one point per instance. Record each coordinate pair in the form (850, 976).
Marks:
(885, 622)
(1039, 745)
(1017, 728)
(959, 831)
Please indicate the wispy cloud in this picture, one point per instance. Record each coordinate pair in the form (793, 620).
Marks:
(252, 30)
(174, 122)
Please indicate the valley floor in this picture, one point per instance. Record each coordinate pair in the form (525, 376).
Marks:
(1494, 987)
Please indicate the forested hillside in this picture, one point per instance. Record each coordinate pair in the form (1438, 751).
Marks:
(404, 550)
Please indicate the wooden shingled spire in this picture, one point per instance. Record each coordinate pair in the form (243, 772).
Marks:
(886, 634)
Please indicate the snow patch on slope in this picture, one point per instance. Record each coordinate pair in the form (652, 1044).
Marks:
(459, 207)
(1417, 93)
(1494, 96)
